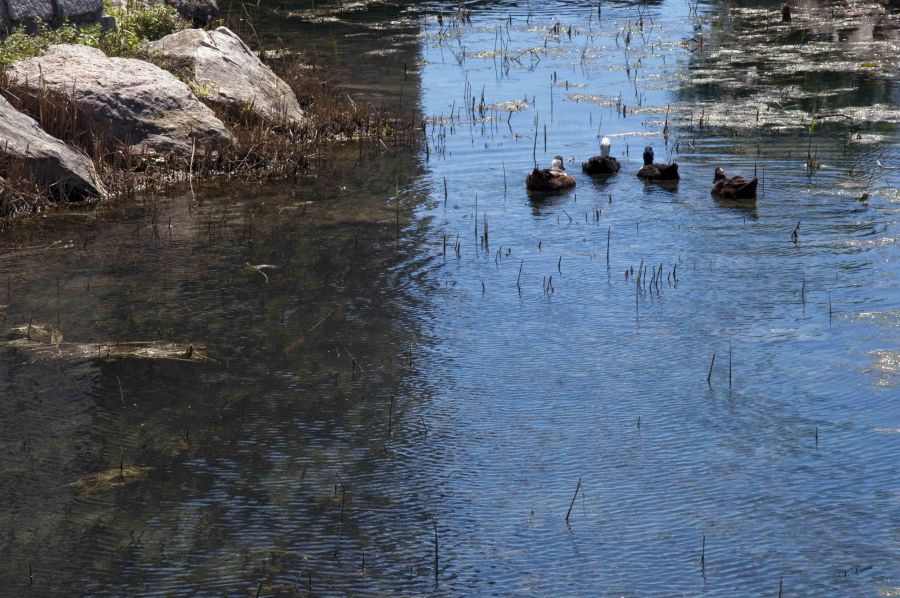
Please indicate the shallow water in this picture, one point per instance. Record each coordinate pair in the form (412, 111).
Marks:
(399, 373)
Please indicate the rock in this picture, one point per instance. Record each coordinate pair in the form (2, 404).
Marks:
(29, 10)
(13, 13)
(134, 102)
(199, 12)
(78, 10)
(108, 23)
(6, 23)
(231, 74)
(52, 12)
(54, 165)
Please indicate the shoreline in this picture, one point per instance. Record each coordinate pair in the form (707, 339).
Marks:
(236, 112)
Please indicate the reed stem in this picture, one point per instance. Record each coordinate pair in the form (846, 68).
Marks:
(572, 504)
(436, 550)
(608, 236)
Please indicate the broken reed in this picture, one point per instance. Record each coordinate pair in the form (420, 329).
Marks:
(703, 554)
(261, 148)
(572, 504)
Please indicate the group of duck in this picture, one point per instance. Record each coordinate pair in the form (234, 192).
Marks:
(555, 178)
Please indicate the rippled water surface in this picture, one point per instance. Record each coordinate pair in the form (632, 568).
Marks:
(437, 355)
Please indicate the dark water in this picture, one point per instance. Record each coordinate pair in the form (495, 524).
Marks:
(378, 383)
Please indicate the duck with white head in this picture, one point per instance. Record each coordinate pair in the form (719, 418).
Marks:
(604, 164)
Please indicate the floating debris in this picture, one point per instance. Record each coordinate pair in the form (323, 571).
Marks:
(885, 319)
(44, 342)
(486, 54)
(510, 106)
(383, 52)
(259, 268)
(111, 478)
(887, 365)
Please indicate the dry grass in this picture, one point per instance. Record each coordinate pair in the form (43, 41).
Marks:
(44, 342)
(19, 193)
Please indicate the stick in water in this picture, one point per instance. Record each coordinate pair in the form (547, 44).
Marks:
(390, 416)
(121, 392)
(572, 504)
(729, 366)
(434, 522)
(608, 234)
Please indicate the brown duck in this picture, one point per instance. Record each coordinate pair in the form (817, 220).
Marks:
(548, 180)
(657, 172)
(736, 188)
(604, 164)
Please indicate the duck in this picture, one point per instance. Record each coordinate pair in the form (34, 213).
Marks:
(657, 172)
(602, 164)
(550, 179)
(735, 188)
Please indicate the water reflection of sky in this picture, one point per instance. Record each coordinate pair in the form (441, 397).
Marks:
(554, 357)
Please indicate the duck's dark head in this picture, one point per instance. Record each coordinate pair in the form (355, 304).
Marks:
(720, 175)
(648, 155)
(557, 163)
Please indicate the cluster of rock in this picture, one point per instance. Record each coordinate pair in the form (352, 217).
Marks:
(14, 13)
(135, 104)
(26, 12)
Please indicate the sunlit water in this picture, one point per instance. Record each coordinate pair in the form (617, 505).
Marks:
(379, 389)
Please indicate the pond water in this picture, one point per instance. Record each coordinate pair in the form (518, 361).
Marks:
(437, 354)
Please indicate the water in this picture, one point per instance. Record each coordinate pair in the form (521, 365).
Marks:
(379, 386)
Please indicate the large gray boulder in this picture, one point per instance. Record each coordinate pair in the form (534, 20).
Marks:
(135, 103)
(231, 74)
(53, 165)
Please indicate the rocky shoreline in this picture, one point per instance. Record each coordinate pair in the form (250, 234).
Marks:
(197, 100)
